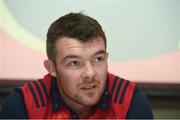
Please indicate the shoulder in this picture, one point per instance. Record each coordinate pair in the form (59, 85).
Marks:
(140, 107)
(120, 88)
(13, 106)
(128, 94)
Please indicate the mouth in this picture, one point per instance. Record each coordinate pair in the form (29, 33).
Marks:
(88, 87)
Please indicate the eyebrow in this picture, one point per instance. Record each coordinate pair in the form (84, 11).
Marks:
(100, 52)
(75, 56)
(71, 56)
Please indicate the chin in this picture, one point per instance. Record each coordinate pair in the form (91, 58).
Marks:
(91, 101)
(90, 98)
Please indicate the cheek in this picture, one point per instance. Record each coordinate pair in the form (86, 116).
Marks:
(102, 71)
(68, 78)
(67, 84)
(102, 74)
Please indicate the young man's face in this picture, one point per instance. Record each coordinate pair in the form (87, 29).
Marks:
(81, 70)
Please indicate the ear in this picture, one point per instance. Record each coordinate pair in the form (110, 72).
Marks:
(49, 65)
(107, 55)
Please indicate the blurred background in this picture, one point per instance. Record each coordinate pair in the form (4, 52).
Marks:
(143, 38)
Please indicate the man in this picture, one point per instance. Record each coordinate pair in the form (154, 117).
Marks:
(78, 84)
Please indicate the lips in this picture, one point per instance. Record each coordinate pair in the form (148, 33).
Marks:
(88, 87)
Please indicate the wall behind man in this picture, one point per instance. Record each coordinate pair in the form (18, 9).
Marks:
(143, 36)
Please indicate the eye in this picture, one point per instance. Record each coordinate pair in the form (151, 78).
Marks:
(74, 63)
(98, 59)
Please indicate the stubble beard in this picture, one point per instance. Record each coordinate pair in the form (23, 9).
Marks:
(89, 99)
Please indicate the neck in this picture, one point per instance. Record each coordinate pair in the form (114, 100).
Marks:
(80, 110)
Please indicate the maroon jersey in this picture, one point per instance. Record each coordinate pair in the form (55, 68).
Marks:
(38, 100)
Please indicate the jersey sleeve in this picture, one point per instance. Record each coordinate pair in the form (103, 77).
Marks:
(14, 106)
(140, 107)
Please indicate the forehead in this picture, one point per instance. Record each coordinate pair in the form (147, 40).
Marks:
(66, 46)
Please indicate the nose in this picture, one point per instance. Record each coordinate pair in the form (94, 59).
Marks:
(89, 72)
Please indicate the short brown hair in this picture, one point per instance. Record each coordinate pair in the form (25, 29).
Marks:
(73, 25)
